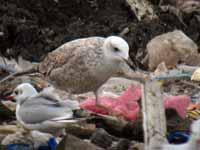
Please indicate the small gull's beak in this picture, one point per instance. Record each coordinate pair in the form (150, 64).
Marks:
(198, 141)
(10, 97)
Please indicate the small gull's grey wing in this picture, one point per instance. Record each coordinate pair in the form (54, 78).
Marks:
(54, 99)
(40, 109)
(73, 105)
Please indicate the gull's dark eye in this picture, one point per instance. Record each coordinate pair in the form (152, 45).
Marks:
(116, 49)
(16, 92)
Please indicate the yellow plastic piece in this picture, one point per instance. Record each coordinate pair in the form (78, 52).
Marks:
(196, 75)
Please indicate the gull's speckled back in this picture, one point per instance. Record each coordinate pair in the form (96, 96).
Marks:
(78, 66)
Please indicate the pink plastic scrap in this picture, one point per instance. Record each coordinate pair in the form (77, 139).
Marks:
(179, 103)
(127, 107)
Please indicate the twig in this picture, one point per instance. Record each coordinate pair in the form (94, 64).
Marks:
(124, 31)
(4, 61)
(187, 68)
(191, 84)
(171, 74)
(160, 2)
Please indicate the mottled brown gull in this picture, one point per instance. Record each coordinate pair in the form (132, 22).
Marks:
(85, 64)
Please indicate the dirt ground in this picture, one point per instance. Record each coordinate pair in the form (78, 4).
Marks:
(31, 29)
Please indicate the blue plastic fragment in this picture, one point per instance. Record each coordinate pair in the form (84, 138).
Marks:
(19, 147)
(51, 145)
(195, 98)
(178, 135)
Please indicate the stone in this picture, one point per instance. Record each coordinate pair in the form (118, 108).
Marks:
(71, 142)
(171, 48)
(101, 138)
(34, 138)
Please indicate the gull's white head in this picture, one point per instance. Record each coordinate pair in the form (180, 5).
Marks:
(195, 129)
(24, 91)
(116, 48)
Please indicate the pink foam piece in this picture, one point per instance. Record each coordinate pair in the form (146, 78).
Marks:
(132, 93)
(129, 110)
(179, 103)
(89, 104)
(126, 105)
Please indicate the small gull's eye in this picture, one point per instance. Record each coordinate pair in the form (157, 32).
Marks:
(16, 92)
(116, 49)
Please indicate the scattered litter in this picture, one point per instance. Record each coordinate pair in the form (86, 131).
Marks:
(127, 107)
(196, 75)
(177, 137)
(51, 146)
(193, 114)
(192, 143)
(179, 103)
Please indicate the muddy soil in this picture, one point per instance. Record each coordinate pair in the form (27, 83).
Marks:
(32, 29)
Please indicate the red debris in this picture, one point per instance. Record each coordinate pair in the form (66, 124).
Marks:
(179, 103)
(9, 98)
(126, 105)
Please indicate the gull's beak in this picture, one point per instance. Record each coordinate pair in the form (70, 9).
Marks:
(10, 97)
(198, 141)
(130, 63)
(135, 64)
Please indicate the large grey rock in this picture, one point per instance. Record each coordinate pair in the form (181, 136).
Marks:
(101, 138)
(171, 48)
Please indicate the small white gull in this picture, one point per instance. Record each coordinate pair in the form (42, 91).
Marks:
(43, 111)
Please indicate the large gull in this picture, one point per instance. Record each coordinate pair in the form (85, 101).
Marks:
(83, 65)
